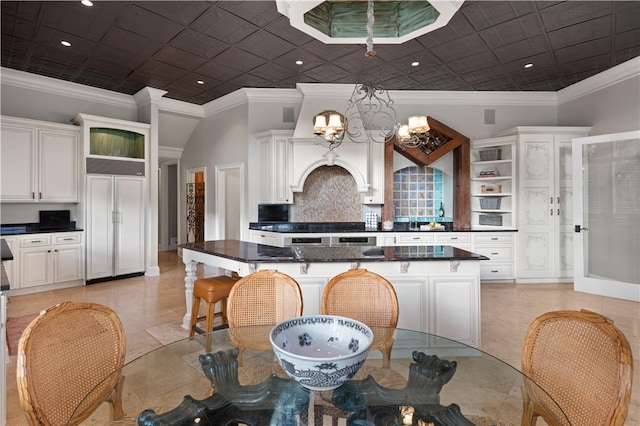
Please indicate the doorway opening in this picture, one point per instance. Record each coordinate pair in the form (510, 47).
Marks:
(229, 201)
(196, 205)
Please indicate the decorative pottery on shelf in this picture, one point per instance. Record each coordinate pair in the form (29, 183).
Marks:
(321, 352)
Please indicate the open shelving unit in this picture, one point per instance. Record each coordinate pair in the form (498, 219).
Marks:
(493, 175)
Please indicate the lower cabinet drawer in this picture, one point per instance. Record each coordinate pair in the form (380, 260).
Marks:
(413, 240)
(496, 271)
(36, 240)
(67, 238)
(496, 253)
(453, 239)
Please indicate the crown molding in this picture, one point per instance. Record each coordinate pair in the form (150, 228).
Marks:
(55, 86)
(617, 74)
(485, 98)
(226, 102)
(273, 95)
(148, 95)
(180, 107)
(169, 152)
(427, 97)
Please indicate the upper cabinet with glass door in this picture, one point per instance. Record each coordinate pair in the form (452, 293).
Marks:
(114, 139)
(113, 146)
(108, 142)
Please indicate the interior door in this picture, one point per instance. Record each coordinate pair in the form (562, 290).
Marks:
(607, 215)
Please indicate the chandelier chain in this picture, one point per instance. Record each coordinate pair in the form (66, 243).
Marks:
(370, 21)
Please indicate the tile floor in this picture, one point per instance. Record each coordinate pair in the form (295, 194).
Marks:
(144, 304)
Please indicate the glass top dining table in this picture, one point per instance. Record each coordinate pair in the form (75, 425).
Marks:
(430, 381)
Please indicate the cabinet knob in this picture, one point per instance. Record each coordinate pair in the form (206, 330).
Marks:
(494, 238)
(33, 195)
(494, 254)
(493, 271)
(454, 238)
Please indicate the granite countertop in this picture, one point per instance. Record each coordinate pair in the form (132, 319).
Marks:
(352, 227)
(5, 251)
(258, 253)
(33, 228)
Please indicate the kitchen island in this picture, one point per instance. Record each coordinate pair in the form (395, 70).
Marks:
(438, 287)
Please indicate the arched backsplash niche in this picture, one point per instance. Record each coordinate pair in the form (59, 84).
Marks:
(329, 195)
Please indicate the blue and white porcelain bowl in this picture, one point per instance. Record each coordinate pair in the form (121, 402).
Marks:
(321, 352)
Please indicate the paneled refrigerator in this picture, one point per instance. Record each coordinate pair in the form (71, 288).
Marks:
(115, 227)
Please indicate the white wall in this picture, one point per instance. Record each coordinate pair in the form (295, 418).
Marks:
(217, 140)
(613, 109)
(39, 105)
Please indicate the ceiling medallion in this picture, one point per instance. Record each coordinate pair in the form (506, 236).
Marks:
(339, 21)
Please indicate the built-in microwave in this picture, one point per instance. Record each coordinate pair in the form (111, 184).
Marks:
(273, 213)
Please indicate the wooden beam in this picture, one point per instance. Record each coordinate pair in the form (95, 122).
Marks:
(387, 208)
(462, 186)
(457, 143)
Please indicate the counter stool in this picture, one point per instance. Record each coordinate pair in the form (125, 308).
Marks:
(212, 290)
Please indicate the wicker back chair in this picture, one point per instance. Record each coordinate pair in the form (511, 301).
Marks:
(263, 298)
(65, 354)
(583, 362)
(367, 297)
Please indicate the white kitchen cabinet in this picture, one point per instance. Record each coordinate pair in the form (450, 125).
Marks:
(545, 216)
(50, 259)
(265, 237)
(461, 240)
(413, 306)
(454, 308)
(499, 248)
(413, 239)
(274, 167)
(493, 197)
(39, 161)
(115, 219)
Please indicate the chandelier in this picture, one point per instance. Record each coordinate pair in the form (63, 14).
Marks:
(370, 115)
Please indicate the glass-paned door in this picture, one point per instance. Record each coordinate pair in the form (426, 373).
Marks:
(607, 215)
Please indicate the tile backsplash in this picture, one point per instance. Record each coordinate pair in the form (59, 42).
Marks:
(330, 195)
(417, 192)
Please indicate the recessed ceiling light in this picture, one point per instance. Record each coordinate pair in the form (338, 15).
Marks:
(87, 2)
(529, 65)
(65, 43)
(299, 62)
(200, 82)
(415, 63)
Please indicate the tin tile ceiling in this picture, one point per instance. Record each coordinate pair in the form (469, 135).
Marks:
(169, 45)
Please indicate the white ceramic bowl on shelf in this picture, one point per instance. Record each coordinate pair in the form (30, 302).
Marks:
(321, 352)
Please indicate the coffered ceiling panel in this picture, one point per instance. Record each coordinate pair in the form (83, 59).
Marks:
(170, 45)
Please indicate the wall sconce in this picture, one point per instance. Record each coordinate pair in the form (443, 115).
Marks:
(330, 127)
